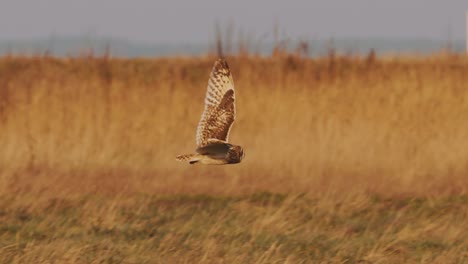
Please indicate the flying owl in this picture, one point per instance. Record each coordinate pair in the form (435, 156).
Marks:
(216, 121)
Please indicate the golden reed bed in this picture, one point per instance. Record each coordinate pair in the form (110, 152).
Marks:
(335, 124)
(347, 161)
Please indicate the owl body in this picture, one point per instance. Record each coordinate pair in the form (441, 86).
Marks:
(221, 151)
(215, 154)
(216, 121)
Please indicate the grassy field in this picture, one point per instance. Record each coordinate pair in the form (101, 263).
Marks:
(347, 160)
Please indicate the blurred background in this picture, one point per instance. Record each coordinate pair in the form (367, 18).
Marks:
(161, 28)
(352, 115)
(385, 80)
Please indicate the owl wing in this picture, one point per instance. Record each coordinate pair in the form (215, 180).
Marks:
(220, 110)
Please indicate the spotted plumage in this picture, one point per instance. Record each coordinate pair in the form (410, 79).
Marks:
(216, 121)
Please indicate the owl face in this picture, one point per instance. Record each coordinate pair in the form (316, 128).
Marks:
(242, 153)
(235, 154)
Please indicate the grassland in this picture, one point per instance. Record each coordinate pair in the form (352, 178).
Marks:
(347, 160)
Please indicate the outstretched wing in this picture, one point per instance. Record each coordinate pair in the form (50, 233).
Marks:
(220, 110)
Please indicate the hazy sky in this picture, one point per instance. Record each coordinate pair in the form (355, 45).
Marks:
(154, 21)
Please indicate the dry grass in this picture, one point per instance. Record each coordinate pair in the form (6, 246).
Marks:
(347, 160)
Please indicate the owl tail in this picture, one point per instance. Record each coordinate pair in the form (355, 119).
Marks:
(191, 158)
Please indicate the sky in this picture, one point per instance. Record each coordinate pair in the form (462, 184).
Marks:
(175, 21)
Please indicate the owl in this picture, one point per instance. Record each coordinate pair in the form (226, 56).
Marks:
(216, 121)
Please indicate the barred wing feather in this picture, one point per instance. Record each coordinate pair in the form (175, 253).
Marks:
(220, 111)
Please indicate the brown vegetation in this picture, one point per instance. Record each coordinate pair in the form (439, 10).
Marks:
(376, 147)
(387, 126)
